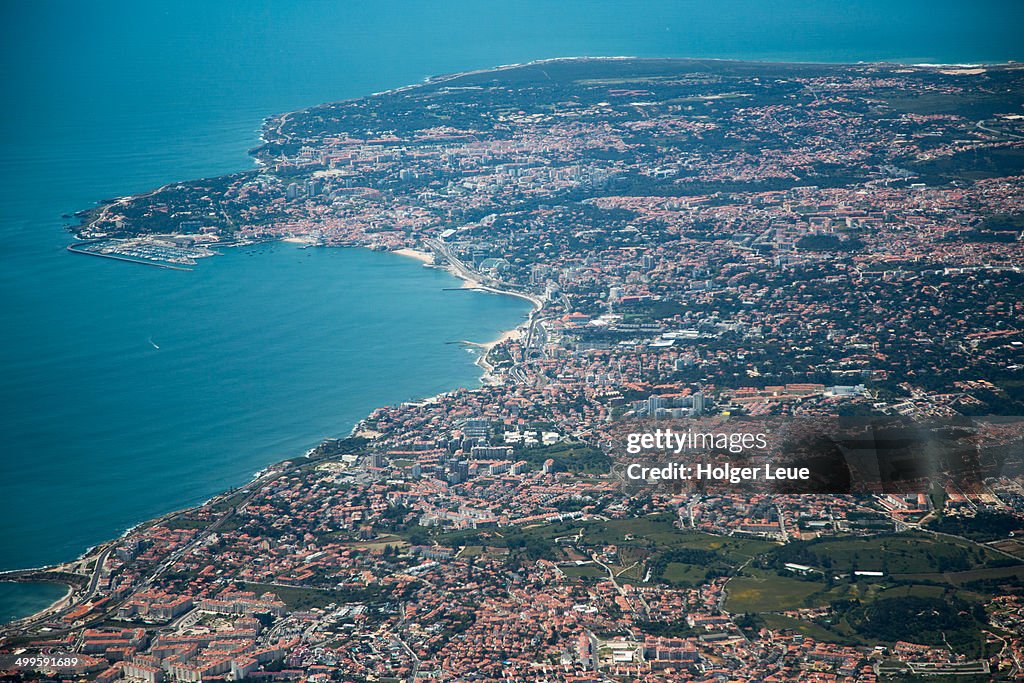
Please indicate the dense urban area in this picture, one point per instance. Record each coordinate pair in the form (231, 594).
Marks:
(704, 243)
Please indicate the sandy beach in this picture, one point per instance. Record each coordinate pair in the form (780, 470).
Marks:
(514, 333)
(423, 256)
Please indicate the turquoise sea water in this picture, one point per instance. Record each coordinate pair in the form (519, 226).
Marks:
(264, 351)
(19, 599)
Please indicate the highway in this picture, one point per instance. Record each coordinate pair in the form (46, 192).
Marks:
(981, 126)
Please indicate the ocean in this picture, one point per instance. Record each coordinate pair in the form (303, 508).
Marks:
(129, 391)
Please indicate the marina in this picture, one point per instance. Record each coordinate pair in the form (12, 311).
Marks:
(162, 252)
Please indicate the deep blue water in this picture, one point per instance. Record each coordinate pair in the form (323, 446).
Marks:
(265, 351)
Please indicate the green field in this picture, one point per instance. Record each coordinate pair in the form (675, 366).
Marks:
(960, 578)
(765, 593)
(974, 105)
(584, 571)
(867, 610)
(185, 522)
(757, 590)
(379, 543)
(684, 574)
(657, 532)
(906, 553)
(1014, 547)
(637, 539)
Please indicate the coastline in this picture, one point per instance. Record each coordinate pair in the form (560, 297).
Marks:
(52, 574)
(469, 279)
(490, 375)
(759, 215)
(473, 281)
(421, 256)
(55, 606)
(273, 122)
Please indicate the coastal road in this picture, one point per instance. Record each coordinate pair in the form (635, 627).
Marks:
(61, 607)
(535, 334)
(101, 560)
(252, 488)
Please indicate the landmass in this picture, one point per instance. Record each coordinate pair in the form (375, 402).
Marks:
(702, 240)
